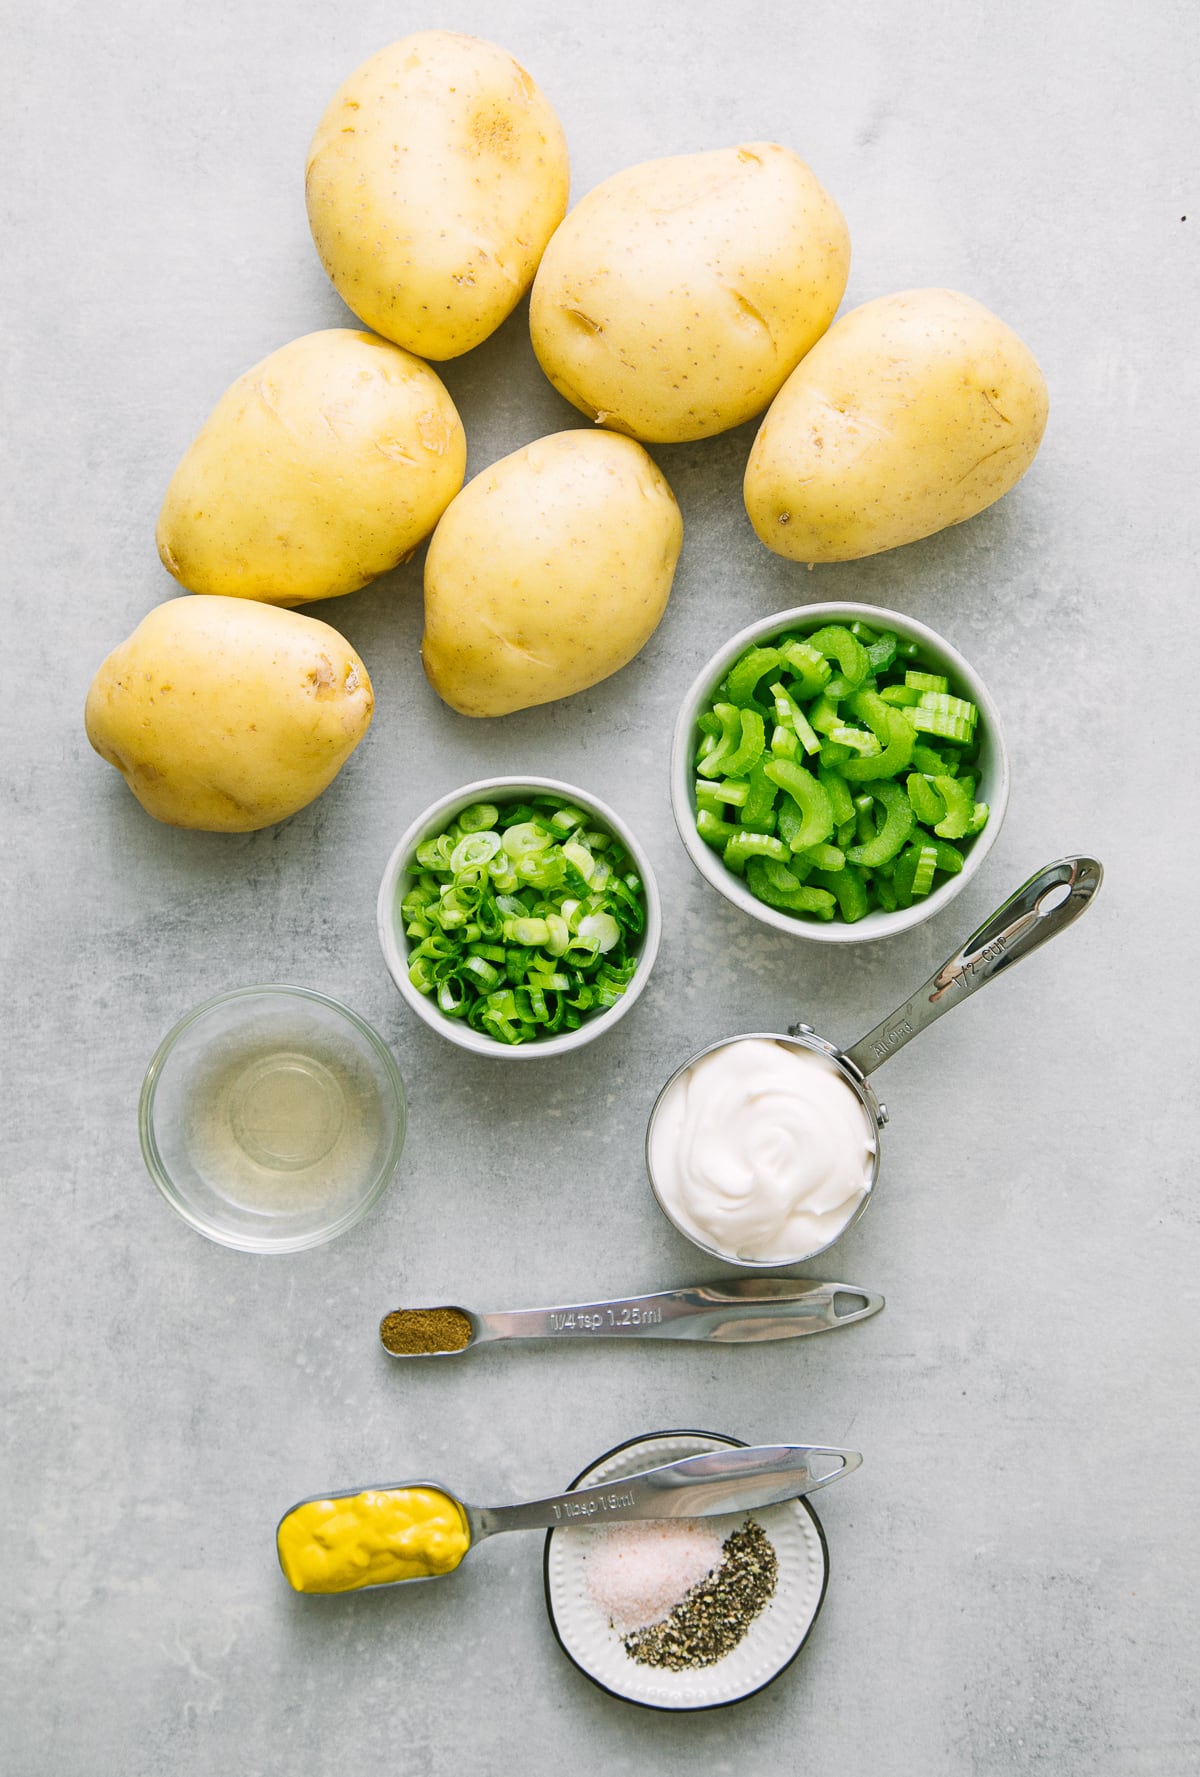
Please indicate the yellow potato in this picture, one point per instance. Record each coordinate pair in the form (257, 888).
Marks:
(677, 296)
(548, 572)
(436, 177)
(321, 468)
(913, 413)
(228, 715)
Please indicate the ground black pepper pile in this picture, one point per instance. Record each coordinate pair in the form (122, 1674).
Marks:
(714, 1616)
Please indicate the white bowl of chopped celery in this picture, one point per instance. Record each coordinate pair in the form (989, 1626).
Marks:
(519, 916)
(838, 771)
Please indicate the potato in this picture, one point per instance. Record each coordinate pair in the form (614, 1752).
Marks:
(677, 296)
(436, 177)
(321, 468)
(228, 715)
(548, 572)
(914, 412)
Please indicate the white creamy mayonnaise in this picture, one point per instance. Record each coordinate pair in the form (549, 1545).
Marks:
(762, 1150)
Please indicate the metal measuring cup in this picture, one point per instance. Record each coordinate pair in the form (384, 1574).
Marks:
(1044, 906)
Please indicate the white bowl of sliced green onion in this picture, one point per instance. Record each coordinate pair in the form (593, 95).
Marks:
(838, 771)
(519, 916)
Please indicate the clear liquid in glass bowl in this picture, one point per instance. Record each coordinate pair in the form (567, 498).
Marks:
(272, 1118)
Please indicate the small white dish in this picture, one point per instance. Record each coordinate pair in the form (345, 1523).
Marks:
(397, 880)
(772, 1641)
(936, 652)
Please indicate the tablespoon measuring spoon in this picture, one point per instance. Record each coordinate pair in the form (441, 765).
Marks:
(1041, 908)
(736, 1311)
(409, 1530)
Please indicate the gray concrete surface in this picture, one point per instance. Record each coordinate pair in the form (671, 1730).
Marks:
(1014, 1568)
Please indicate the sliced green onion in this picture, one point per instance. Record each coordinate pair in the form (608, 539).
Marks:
(526, 919)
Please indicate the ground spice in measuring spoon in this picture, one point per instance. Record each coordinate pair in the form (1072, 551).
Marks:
(408, 1332)
(714, 1617)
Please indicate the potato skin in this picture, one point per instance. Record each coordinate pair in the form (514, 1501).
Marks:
(913, 413)
(548, 572)
(435, 178)
(678, 296)
(227, 715)
(318, 470)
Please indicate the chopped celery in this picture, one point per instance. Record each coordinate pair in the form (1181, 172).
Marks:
(836, 773)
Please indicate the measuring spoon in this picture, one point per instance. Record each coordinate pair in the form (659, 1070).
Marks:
(361, 1545)
(737, 1311)
(1044, 906)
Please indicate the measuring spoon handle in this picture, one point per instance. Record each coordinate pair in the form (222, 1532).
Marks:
(735, 1311)
(1040, 909)
(734, 1480)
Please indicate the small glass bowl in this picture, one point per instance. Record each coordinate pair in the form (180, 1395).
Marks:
(272, 1118)
(397, 880)
(935, 650)
(772, 1641)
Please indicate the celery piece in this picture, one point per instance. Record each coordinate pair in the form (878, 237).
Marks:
(881, 652)
(835, 642)
(928, 805)
(838, 791)
(758, 809)
(824, 715)
(958, 794)
(713, 830)
(799, 900)
(744, 846)
(812, 797)
(898, 738)
(899, 821)
(789, 713)
(744, 676)
(927, 721)
(824, 857)
(859, 740)
(923, 875)
(945, 705)
(809, 665)
(926, 681)
(751, 747)
(730, 718)
(848, 889)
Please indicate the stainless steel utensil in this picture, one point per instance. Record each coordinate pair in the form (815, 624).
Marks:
(736, 1311)
(1044, 906)
(733, 1480)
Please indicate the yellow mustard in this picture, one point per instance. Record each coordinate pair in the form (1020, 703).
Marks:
(369, 1539)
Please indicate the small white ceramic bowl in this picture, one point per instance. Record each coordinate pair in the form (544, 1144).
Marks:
(773, 1639)
(398, 877)
(992, 785)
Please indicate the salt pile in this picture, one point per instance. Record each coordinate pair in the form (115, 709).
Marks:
(637, 1573)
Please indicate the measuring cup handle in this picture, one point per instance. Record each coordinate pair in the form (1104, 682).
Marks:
(1039, 910)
